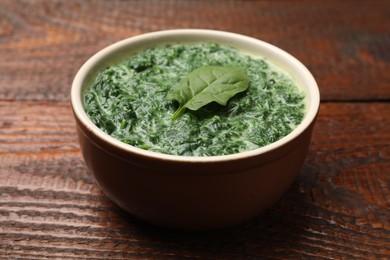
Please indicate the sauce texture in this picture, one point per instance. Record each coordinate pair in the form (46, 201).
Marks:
(128, 101)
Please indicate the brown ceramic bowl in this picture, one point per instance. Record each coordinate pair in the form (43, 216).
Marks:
(193, 193)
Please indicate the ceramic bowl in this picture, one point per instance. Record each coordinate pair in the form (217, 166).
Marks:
(193, 193)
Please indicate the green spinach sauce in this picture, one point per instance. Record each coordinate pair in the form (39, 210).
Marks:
(128, 101)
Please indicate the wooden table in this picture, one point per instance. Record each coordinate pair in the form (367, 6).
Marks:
(337, 208)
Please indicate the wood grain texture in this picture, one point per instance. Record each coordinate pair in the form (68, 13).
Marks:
(339, 206)
(346, 45)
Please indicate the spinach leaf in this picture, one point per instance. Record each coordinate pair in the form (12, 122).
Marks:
(208, 84)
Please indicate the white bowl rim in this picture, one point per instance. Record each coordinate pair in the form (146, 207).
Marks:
(76, 99)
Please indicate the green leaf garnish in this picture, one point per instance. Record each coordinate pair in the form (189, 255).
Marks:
(207, 84)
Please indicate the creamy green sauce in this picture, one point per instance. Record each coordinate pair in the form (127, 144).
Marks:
(128, 101)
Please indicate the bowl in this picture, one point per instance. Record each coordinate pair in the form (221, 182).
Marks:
(184, 192)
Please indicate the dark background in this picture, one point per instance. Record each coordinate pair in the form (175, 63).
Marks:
(337, 208)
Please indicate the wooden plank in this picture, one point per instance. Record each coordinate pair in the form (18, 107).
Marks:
(36, 126)
(346, 46)
(337, 208)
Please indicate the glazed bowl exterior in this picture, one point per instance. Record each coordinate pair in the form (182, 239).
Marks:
(193, 193)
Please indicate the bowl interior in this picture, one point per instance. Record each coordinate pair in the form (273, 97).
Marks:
(122, 50)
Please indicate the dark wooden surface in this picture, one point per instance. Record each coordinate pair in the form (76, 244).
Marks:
(337, 208)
